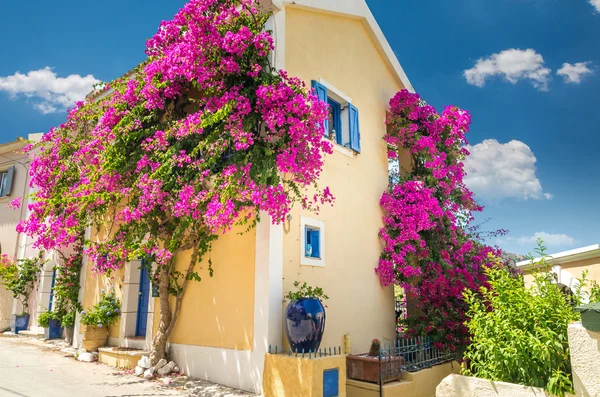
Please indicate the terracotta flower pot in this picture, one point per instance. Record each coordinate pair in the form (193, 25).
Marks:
(366, 368)
(94, 337)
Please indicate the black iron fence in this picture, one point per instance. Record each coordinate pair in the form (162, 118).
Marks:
(322, 352)
(408, 355)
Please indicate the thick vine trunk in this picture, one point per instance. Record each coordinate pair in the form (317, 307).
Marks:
(159, 343)
(168, 318)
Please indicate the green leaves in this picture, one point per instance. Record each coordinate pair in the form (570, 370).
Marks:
(306, 291)
(519, 333)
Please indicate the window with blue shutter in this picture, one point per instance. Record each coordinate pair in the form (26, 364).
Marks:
(321, 92)
(6, 180)
(342, 124)
(354, 127)
(313, 243)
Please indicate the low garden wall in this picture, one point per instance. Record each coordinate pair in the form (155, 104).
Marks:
(297, 376)
(584, 346)
(465, 386)
(414, 384)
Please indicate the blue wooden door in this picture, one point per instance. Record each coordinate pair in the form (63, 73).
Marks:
(144, 296)
(52, 290)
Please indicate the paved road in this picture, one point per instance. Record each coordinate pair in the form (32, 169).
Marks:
(28, 371)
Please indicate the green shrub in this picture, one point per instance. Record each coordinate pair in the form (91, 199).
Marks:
(105, 313)
(19, 277)
(68, 320)
(518, 333)
(44, 318)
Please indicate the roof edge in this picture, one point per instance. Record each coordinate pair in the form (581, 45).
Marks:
(357, 9)
(577, 254)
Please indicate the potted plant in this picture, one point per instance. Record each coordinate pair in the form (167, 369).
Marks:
(51, 321)
(19, 277)
(305, 317)
(68, 323)
(97, 320)
(365, 367)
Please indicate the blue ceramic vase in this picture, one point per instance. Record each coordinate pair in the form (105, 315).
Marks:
(305, 324)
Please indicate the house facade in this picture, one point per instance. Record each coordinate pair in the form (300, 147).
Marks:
(568, 266)
(14, 183)
(228, 322)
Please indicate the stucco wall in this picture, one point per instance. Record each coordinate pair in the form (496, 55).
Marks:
(286, 376)
(8, 222)
(464, 386)
(95, 284)
(339, 50)
(219, 311)
(585, 357)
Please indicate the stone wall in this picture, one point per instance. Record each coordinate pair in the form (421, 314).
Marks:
(464, 386)
(585, 360)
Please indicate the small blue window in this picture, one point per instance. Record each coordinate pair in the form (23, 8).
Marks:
(313, 243)
(331, 380)
(335, 121)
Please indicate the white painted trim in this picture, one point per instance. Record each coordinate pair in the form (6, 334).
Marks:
(304, 260)
(77, 335)
(335, 91)
(234, 368)
(358, 9)
(566, 256)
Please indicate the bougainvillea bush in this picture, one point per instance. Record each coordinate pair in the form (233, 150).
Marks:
(428, 248)
(202, 136)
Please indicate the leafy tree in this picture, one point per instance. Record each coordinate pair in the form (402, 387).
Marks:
(19, 277)
(519, 333)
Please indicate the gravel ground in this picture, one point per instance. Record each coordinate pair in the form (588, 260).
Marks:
(31, 367)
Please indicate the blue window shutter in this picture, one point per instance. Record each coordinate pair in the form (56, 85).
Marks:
(354, 128)
(7, 185)
(315, 242)
(321, 92)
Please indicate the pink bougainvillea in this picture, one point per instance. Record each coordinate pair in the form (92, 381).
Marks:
(203, 136)
(428, 249)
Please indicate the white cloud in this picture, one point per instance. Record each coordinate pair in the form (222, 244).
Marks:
(513, 65)
(595, 4)
(50, 92)
(550, 239)
(574, 73)
(503, 170)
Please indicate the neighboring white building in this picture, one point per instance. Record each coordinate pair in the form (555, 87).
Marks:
(14, 184)
(568, 265)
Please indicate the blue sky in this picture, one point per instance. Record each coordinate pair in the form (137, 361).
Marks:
(535, 135)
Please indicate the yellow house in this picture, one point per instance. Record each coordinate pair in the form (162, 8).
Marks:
(228, 322)
(568, 266)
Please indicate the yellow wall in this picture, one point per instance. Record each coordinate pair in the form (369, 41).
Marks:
(576, 269)
(219, 311)
(340, 50)
(297, 377)
(414, 384)
(94, 284)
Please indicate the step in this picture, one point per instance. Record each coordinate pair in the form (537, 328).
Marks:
(32, 334)
(120, 357)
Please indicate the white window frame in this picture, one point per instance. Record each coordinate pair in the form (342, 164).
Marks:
(343, 100)
(313, 224)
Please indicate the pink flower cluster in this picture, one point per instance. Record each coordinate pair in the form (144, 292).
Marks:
(428, 248)
(202, 136)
